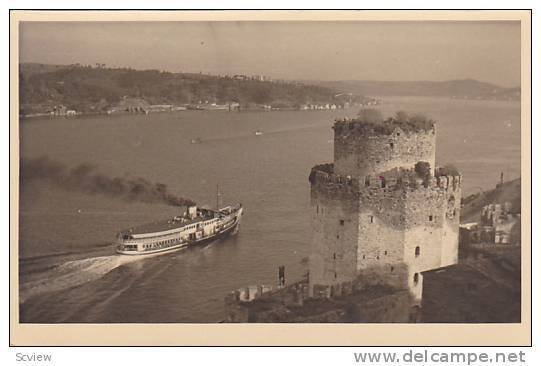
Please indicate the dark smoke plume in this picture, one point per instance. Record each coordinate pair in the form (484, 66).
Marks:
(84, 178)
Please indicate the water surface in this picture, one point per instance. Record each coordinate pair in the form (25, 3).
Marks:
(69, 272)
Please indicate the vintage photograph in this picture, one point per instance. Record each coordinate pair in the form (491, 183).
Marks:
(284, 171)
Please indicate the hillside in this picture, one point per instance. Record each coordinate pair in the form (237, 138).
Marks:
(96, 89)
(461, 89)
(506, 192)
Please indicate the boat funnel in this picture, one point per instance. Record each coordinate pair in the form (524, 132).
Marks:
(192, 212)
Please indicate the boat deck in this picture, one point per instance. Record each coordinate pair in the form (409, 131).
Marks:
(172, 223)
(162, 225)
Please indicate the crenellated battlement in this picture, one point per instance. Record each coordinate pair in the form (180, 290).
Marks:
(360, 127)
(324, 173)
(402, 179)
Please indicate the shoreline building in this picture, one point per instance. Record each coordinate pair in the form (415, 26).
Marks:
(381, 214)
(499, 224)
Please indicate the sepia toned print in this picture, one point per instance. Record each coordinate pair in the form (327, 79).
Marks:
(218, 172)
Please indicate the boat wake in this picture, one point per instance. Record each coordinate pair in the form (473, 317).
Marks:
(72, 273)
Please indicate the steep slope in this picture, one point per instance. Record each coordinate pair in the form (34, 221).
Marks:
(506, 192)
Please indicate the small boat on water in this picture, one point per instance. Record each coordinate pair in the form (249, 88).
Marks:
(196, 140)
(258, 133)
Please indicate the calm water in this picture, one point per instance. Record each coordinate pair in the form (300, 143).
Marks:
(69, 272)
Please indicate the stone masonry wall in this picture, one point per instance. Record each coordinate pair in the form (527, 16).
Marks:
(422, 246)
(449, 246)
(335, 232)
(381, 236)
(407, 225)
(402, 229)
(359, 155)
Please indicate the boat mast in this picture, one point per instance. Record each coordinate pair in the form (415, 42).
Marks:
(217, 197)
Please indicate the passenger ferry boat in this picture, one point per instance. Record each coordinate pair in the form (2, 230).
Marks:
(195, 226)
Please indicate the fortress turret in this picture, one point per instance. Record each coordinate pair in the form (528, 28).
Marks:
(381, 213)
(367, 148)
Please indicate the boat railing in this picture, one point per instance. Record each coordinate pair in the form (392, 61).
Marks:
(150, 239)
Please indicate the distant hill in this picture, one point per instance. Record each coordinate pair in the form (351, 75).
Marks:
(462, 89)
(506, 192)
(95, 89)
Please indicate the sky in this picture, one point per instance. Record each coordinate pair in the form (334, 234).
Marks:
(361, 50)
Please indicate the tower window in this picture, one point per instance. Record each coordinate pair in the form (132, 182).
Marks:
(364, 256)
(416, 279)
(430, 218)
(335, 275)
(392, 268)
(417, 251)
(341, 222)
(337, 236)
(367, 181)
(317, 209)
(371, 219)
(385, 252)
(334, 256)
(391, 145)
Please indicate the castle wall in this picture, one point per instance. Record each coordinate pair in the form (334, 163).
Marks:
(358, 154)
(410, 225)
(371, 305)
(431, 229)
(424, 216)
(422, 252)
(449, 245)
(334, 233)
(451, 189)
(381, 236)
(403, 229)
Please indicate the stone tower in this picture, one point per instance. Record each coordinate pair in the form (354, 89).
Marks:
(381, 214)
